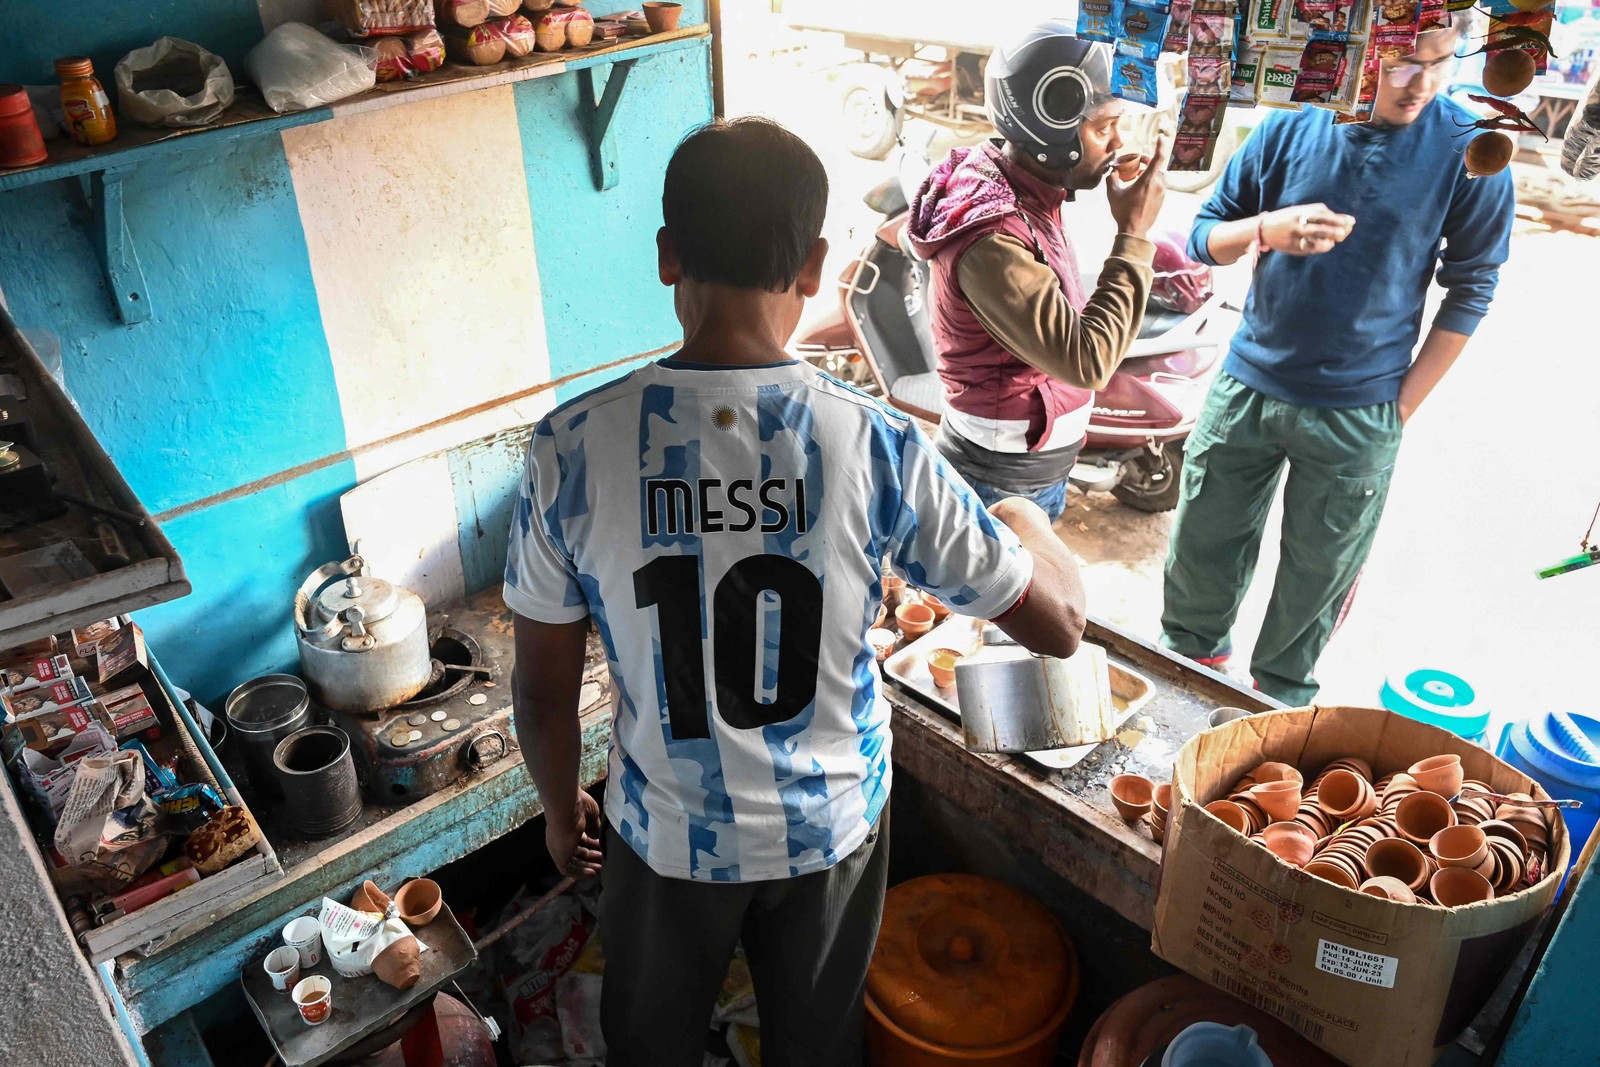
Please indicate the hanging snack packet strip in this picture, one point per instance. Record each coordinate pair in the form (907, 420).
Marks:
(1141, 31)
(1433, 15)
(1245, 90)
(1097, 20)
(1177, 41)
(1322, 69)
(1280, 69)
(1367, 93)
(1395, 28)
(1328, 16)
(1199, 125)
(1266, 20)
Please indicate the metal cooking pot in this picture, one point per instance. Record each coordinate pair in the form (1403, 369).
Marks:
(1034, 703)
(363, 641)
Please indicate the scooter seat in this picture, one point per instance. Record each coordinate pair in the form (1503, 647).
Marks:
(923, 391)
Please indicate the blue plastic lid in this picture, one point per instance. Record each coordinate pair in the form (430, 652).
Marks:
(1437, 698)
(1566, 745)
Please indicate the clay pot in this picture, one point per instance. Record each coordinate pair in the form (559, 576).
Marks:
(941, 610)
(1276, 772)
(1160, 801)
(1390, 888)
(1400, 786)
(1459, 846)
(1455, 886)
(914, 620)
(1314, 818)
(881, 642)
(1439, 774)
(662, 15)
(1230, 813)
(369, 898)
(1291, 842)
(1510, 865)
(1331, 871)
(1258, 818)
(1395, 857)
(419, 901)
(1354, 764)
(942, 665)
(1280, 800)
(1506, 832)
(1420, 815)
(1133, 795)
(1346, 796)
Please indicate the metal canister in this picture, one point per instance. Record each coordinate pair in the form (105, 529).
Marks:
(261, 713)
(318, 779)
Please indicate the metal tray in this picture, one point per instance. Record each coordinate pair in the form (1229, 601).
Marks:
(361, 1006)
(909, 668)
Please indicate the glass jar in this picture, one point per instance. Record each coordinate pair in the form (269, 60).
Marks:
(84, 100)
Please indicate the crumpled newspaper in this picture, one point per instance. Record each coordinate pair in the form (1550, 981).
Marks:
(107, 828)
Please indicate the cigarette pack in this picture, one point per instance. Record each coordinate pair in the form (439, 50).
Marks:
(121, 658)
(21, 675)
(129, 711)
(86, 639)
(44, 699)
(52, 731)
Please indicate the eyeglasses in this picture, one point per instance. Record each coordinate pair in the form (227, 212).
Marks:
(1406, 71)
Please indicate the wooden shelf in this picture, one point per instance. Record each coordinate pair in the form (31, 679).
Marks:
(250, 115)
(101, 169)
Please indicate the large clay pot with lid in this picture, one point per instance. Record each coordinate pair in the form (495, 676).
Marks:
(967, 970)
(363, 641)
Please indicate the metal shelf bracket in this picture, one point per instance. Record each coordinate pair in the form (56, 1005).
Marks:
(595, 111)
(108, 232)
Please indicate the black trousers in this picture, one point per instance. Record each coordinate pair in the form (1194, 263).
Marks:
(808, 941)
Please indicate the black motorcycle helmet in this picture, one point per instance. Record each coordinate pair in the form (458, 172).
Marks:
(1040, 89)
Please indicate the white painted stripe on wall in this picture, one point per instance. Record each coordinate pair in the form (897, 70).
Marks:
(421, 242)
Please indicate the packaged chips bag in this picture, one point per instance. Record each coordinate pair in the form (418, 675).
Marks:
(1097, 20)
(1199, 125)
(1322, 69)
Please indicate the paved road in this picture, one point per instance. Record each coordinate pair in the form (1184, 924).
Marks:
(1498, 474)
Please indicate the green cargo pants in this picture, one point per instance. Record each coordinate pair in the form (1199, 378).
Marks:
(1340, 461)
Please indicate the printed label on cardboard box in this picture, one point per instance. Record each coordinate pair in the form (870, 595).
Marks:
(1356, 964)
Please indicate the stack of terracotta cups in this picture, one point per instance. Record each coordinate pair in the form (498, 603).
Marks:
(1419, 835)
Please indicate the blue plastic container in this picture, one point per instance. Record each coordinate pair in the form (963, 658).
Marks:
(1440, 699)
(1562, 753)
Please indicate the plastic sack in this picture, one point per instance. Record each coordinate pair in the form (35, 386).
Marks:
(172, 83)
(529, 962)
(298, 68)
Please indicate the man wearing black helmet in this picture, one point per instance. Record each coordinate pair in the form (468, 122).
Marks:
(1021, 346)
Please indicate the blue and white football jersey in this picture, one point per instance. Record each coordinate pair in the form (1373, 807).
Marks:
(725, 528)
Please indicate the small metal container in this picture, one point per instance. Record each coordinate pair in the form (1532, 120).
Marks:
(261, 713)
(1036, 702)
(318, 779)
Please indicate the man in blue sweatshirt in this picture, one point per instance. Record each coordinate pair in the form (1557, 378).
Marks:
(1351, 222)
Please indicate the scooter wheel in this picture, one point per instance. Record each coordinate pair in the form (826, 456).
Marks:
(1151, 483)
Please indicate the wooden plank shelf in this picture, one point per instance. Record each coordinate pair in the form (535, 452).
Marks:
(101, 169)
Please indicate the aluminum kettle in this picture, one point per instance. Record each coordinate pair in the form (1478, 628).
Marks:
(363, 641)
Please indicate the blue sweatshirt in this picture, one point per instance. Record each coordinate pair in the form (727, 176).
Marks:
(1337, 330)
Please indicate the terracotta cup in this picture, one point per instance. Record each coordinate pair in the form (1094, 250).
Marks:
(1333, 872)
(941, 610)
(1157, 826)
(1161, 799)
(942, 665)
(1133, 795)
(662, 15)
(1399, 786)
(1455, 886)
(1510, 865)
(1396, 857)
(1291, 842)
(1344, 795)
(1459, 846)
(882, 642)
(1354, 764)
(915, 619)
(1230, 813)
(1421, 815)
(1390, 888)
(419, 901)
(1505, 831)
(894, 588)
(1258, 818)
(1280, 800)
(1272, 771)
(1439, 774)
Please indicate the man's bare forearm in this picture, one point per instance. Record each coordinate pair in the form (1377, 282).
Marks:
(545, 688)
(1436, 356)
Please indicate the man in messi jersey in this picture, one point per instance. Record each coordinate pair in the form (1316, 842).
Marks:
(721, 516)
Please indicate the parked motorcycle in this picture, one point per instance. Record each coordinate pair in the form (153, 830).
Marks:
(878, 337)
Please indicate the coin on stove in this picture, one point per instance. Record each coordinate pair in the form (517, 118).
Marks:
(399, 739)
(452, 725)
(438, 716)
(414, 736)
(477, 700)
(418, 719)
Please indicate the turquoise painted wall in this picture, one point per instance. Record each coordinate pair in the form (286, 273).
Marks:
(230, 383)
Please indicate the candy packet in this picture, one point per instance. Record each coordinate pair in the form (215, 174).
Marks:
(1142, 28)
(1367, 88)
(1394, 27)
(1098, 19)
(1322, 69)
(1199, 125)
(1327, 16)
(1280, 69)
(1136, 80)
(1177, 41)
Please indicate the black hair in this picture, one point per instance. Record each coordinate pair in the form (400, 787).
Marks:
(743, 203)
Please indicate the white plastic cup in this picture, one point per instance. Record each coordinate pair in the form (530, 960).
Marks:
(304, 935)
(283, 967)
(313, 997)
